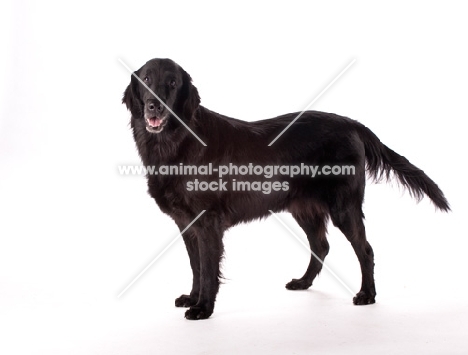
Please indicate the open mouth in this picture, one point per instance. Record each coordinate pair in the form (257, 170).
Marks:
(155, 124)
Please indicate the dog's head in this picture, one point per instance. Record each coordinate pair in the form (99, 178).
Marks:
(157, 88)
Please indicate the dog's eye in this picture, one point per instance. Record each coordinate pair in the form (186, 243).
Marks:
(145, 79)
(172, 83)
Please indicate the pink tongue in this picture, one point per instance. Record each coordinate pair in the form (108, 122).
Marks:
(155, 122)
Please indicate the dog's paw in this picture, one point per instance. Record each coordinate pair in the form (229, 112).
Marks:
(298, 284)
(197, 312)
(363, 298)
(185, 301)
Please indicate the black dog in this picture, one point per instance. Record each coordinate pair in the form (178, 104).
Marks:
(316, 139)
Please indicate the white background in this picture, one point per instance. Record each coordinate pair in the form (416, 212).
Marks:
(74, 233)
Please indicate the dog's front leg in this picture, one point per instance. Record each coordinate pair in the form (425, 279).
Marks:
(191, 244)
(210, 247)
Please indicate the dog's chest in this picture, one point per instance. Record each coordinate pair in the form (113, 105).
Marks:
(168, 193)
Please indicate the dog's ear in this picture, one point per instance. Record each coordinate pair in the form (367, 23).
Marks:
(189, 97)
(131, 97)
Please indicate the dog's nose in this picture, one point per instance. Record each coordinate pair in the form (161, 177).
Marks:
(152, 107)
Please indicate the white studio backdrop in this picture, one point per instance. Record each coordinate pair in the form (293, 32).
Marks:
(74, 233)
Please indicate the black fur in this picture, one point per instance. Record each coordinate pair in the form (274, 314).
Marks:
(317, 138)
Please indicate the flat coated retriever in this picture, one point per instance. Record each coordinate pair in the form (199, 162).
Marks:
(315, 139)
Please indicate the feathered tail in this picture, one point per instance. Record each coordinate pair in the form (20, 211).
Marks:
(382, 161)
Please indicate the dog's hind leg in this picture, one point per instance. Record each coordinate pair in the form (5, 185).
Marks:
(315, 228)
(349, 219)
